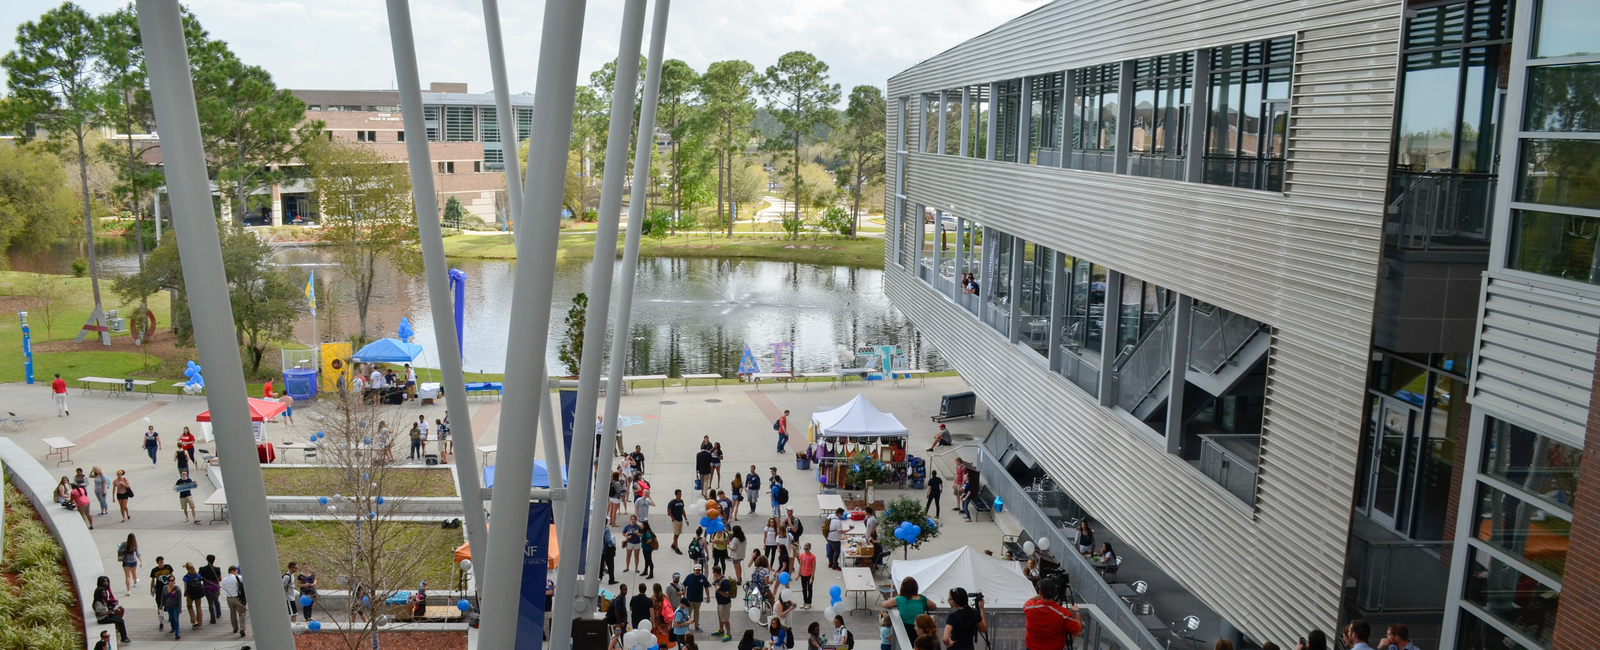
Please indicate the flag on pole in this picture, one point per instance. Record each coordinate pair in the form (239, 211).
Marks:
(311, 291)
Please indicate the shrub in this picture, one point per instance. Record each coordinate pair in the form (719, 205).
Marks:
(905, 509)
(80, 267)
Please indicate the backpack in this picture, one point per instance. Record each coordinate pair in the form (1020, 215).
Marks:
(783, 495)
(695, 552)
(775, 424)
(122, 552)
(827, 525)
(798, 528)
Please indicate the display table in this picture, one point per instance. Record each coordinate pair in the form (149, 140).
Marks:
(61, 448)
(219, 506)
(829, 504)
(428, 393)
(704, 375)
(859, 582)
(302, 447)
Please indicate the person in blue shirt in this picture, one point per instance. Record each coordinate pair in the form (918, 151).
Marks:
(776, 484)
(608, 558)
(752, 487)
(632, 536)
(694, 591)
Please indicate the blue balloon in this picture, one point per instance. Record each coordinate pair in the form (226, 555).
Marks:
(365, 477)
(999, 506)
(380, 501)
(783, 578)
(916, 531)
(365, 601)
(835, 592)
(314, 626)
(368, 441)
(463, 605)
(320, 433)
(372, 515)
(322, 500)
(305, 601)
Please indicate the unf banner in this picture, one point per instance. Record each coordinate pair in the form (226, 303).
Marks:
(535, 569)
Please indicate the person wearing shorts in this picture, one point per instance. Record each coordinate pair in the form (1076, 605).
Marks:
(186, 498)
(675, 511)
(632, 536)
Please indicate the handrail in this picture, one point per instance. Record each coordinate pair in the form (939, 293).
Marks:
(1209, 328)
(1440, 210)
(1143, 367)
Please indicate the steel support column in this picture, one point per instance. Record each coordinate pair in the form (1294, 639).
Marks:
(966, 121)
(505, 116)
(1110, 324)
(1180, 367)
(1024, 120)
(436, 271)
(527, 389)
(944, 109)
(555, 464)
(994, 103)
(1199, 113)
(1058, 306)
(189, 190)
(1124, 116)
(601, 273)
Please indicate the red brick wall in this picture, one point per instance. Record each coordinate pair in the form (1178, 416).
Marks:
(390, 641)
(1578, 620)
(1456, 470)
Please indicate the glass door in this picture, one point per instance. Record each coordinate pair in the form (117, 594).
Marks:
(1395, 431)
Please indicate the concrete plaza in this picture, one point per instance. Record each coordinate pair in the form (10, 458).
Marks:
(666, 424)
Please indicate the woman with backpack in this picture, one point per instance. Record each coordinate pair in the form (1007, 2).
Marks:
(649, 546)
(194, 594)
(128, 557)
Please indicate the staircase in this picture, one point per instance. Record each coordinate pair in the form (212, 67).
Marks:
(1223, 347)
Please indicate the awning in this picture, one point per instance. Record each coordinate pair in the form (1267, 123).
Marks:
(857, 419)
(388, 351)
(261, 410)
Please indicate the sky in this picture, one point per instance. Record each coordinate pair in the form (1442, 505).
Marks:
(344, 44)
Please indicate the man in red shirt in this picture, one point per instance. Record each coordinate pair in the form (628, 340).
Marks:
(59, 388)
(1049, 625)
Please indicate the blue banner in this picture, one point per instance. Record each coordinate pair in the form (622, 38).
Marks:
(535, 568)
(569, 412)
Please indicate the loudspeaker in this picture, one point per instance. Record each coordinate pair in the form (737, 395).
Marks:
(588, 634)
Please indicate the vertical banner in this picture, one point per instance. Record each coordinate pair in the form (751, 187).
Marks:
(535, 568)
(569, 411)
(27, 347)
(335, 366)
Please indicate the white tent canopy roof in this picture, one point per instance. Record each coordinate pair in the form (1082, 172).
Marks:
(1001, 582)
(857, 418)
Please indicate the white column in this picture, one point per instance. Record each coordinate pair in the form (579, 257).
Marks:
(505, 116)
(1024, 119)
(994, 90)
(944, 106)
(966, 120)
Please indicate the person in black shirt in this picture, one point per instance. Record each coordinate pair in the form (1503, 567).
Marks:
(702, 469)
(962, 626)
(639, 606)
(617, 614)
(935, 486)
(675, 512)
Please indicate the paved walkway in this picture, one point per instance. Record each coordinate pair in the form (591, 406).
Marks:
(663, 423)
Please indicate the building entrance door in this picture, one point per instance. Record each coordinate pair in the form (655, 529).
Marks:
(1394, 435)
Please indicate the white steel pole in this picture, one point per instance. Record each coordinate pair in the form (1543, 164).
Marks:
(504, 115)
(436, 271)
(206, 284)
(605, 251)
(527, 389)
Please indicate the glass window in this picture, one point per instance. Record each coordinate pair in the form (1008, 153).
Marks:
(1564, 98)
(1038, 284)
(1567, 28)
(1094, 117)
(1446, 415)
(1474, 634)
(1008, 107)
(1045, 119)
(1533, 462)
(930, 122)
(1561, 245)
(459, 124)
(1523, 529)
(1407, 382)
(978, 139)
(491, 124)
(952, 121)
(430, 117)
(1511, 596)
(1249, 120)
(1161, 97)
(1086, 307)
(1560, 172)
(524, 123)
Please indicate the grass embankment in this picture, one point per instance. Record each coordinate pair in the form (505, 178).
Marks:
(304, 541)
(327, 481)
(38, 607)
(865, 253)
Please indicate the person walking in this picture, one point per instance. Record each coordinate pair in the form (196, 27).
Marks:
(80, 501)
(152, 443)
(182, 460)
(171, 602)
(752, 488)
(723, 591)
(160, 575)
(194, 594)
(233, 589)
(780, 494)
(416, 442)
(675, 512)
(702, 472)
(186, 444)
(58, 389)
(124, 491)
(128, 556)
(446, 447)
(608, 558)
(935, 486)
(769, 536)
(185, 488)
(782, 427)
(648, 545)
(288, 408)
(97, 479)
(211, 583)
(695, 590)
(808, 573)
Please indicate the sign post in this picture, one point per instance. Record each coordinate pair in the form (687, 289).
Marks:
(27, 347)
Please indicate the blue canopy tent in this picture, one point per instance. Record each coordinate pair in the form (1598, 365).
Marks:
(387, 351)
(541, 475)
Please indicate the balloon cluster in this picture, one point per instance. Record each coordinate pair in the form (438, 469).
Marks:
(835, 596)
(194, 383)
(710, 514)
(908, 532)
(405, 331)
(640, 638)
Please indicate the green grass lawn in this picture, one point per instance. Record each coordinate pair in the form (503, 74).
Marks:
(326, 481)
(300, 541)
(866, 253)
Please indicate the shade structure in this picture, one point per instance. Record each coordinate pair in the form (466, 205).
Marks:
(388, 351)
(1000, 581)
(261, 410)
(464, 551)
(857, 418)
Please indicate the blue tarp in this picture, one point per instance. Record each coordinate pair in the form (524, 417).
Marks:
(541, 475)
(388, 351)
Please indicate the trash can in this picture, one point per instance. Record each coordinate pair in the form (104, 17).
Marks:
(802, 462)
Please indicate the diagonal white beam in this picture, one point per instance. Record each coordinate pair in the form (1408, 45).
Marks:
(504, 116)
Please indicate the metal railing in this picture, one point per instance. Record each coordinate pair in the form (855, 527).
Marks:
(1439, 211)
(1084, 373)
(1230, 469)
(1418, 569)
(1157, 166)
(998, 316)
(1216, 335)
(1140, 368)
(1092, 160)
(1086, 584)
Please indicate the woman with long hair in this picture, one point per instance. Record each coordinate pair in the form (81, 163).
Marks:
(769, 536)
(736, 492)
(80, 500)
(129, 558)
(106, 609)
(647, 538)
(124, 491)
(785, 564)
(716, 462)
(64, 493)
(927, 628)
(614, 497)
(736, 551)
(97, 478)
(194, 594)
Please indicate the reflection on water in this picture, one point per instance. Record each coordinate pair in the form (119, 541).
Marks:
(689, 316)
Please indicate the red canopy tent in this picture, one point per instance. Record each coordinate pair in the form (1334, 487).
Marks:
(261, 410)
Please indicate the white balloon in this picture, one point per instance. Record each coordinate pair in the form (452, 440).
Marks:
(786, 595)
(1044, 543)
(755, 615)
(332, 508)
(144, 421)
(828, 613)
(1027, 548)
(644, 626)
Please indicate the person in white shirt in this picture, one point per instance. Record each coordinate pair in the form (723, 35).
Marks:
(233, 588)
(411, 385)
(375, 380)
(1356, 635)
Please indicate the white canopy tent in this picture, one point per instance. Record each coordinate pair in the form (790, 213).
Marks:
(857, 419)
(1000, 581)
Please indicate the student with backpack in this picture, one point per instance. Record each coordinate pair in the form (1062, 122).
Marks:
(781, 425)
(780, 494)
(160, 575)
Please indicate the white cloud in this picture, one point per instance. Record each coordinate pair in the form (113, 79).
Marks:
(344, 44)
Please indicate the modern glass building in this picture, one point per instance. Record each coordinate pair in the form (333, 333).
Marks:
(1297, 298)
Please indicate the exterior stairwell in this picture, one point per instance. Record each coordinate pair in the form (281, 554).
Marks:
(1223, 347)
